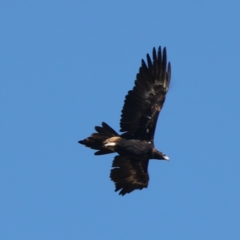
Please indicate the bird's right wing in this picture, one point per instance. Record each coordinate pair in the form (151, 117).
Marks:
(143, 104)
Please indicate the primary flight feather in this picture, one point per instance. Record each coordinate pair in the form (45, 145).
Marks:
(135, 146)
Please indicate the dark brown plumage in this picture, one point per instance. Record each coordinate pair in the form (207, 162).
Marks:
(135, 147)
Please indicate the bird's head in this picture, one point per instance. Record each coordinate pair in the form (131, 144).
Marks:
(159, 155)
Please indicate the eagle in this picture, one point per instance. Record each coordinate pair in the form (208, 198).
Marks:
(135, 146)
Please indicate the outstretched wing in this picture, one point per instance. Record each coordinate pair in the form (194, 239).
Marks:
(129, 174)
(143, 104)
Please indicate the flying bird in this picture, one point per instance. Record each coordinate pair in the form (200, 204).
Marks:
(135, 146)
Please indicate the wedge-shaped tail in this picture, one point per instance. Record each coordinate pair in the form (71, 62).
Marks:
(96, 140)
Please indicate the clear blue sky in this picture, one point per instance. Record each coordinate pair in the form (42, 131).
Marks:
(66, 66)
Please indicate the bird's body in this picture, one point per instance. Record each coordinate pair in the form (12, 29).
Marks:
(135, 147)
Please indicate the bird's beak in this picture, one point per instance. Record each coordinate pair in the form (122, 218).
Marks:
(166, 158)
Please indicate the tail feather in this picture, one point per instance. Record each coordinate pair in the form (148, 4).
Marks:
(106, 130)
(96, 140)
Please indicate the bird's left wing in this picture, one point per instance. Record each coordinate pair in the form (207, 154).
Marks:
(129, 174)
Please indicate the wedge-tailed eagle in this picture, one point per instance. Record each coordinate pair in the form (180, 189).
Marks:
(135, 146)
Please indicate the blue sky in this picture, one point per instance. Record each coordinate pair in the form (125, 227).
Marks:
(66, 66)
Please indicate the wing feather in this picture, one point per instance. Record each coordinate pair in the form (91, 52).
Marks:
(143, 104)
(129, 174)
